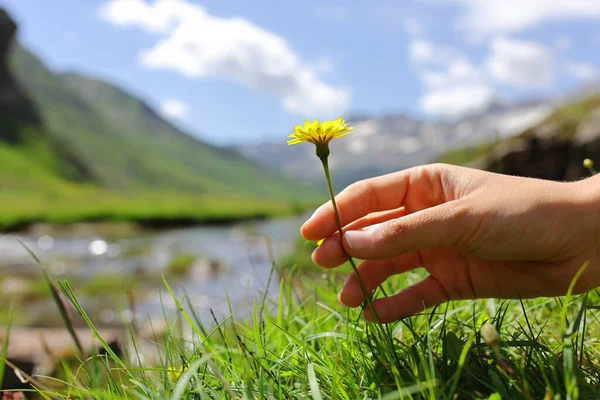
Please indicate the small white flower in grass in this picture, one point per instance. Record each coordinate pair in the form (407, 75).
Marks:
(490, 335)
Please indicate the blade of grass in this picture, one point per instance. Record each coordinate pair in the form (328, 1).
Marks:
(4, 355)
(64, 312)
(461, 363)
(315, 391)
(68, 291)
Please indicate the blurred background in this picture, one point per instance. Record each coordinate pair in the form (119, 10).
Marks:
(148, 137)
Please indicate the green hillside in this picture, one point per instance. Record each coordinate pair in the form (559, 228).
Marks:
(127, 145)
(95, 152)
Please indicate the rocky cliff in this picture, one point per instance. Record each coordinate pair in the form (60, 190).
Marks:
(17, 111)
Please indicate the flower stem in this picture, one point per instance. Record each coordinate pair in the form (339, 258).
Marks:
(368, 300)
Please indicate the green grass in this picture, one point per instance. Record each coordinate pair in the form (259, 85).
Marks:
(299, 343)
(152, 208)
(568, 118)
(465, 155)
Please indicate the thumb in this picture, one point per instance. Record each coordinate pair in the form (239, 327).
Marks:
(445, 225)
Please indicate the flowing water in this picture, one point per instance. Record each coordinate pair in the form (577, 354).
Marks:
(233, 260)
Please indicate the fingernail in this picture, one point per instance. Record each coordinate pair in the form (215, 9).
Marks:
(309, 218)
(305, 222)
(364, 317)
(339, 297)
(359, 240)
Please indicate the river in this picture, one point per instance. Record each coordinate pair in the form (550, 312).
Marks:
(231, 260)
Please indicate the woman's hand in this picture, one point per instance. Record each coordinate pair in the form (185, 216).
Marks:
(478, 234)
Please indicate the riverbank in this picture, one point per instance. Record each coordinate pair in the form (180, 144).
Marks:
(149, 209)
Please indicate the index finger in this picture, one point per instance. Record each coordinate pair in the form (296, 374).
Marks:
(381, 193)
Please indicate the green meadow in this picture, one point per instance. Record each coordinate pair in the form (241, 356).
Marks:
(300, 343)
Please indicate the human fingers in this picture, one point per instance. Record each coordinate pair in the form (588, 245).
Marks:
(445, 225)
(409, 301)
(373, 273)
(330, 253)
(375, 194)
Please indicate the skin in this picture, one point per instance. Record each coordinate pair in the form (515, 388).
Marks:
(478, 235)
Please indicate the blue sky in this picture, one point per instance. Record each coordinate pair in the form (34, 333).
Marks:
(244, 71)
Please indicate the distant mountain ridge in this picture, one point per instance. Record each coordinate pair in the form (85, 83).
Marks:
(387, 143)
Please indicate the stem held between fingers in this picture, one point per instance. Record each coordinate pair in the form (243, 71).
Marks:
(341, 233)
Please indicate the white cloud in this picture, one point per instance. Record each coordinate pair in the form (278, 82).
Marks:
(455, 101)
(459, 71)
(483, 17)
(199, 45)
(157, 18)
(458, 89)
(562, 43)
(421, 50)
(335, 13)
(412, 26)
(174, 109)
(426, 52)
(454, 85)
(521, 64)
(581, 70)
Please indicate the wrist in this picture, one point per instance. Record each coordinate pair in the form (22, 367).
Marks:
(587, 190)
(586, 196)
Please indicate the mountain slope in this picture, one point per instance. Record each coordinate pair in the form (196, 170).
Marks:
(124, 144)
(74, 148)
(553, 149)
(30, 159)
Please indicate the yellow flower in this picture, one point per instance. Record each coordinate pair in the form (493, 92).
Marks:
(320, 134)
(588, 163)
(174, 374)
